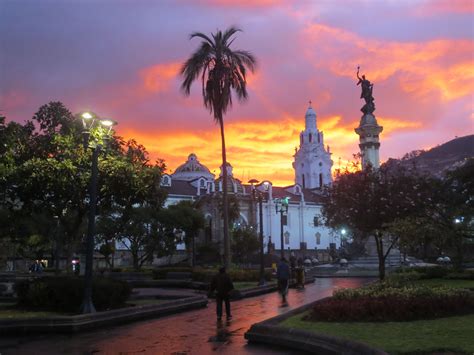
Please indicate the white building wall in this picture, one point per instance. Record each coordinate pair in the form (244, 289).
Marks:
(300, 226)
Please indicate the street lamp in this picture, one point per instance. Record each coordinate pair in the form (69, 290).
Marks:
(281, 207)
(99, 129)
(259, 196)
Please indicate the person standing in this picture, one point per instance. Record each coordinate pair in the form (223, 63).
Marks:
(222, 284)
(283, 277)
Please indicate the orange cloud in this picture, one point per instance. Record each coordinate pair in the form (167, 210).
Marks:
(158, 77)
(257, 149)
(443, 67)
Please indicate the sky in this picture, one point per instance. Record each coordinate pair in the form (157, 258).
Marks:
(121, 59)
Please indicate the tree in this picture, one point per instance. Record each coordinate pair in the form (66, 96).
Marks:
(222, 70)
(186, 217)
(245, 242)
(44, 179)
(370, 200)
(453, 210)
(130, 201)
(48, 178)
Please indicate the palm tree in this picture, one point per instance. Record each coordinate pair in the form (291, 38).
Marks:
(222, 71)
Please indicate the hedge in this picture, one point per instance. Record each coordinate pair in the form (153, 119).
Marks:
(205, 275)
(65, 294)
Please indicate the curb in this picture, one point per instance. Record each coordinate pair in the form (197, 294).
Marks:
(259, 290)
(74, 324)
(269, 332)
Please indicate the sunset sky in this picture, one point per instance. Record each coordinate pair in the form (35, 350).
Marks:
(121, 59)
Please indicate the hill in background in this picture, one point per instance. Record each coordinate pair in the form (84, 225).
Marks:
(439, 159)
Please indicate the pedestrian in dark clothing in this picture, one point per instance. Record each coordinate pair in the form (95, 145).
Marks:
(222, 284)
(283, 277)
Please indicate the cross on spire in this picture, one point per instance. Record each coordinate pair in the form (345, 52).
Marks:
(310, 102)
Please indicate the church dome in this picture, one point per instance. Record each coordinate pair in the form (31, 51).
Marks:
(192, 169)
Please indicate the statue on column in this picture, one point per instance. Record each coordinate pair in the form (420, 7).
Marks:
(366, 93)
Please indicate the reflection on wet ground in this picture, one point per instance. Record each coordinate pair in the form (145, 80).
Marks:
(194, 332)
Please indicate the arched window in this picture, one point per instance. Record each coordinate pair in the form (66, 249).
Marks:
(165, 181)
(320, 180)
(310, 137)
(287, 237)
(318, 238)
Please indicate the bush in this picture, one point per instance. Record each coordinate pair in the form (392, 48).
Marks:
(64, 294)
(160, 273)
(403, 278)
(433, 272)
(205, 275)
(238, 275)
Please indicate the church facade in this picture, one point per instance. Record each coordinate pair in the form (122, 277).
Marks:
(304, 229)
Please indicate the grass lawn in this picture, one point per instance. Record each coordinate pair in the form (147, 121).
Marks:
(10, 311)
(423, 336)
(469, 284)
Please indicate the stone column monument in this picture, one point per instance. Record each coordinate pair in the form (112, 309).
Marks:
(368, 129)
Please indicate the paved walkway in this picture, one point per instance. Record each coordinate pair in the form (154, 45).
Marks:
(194, 332)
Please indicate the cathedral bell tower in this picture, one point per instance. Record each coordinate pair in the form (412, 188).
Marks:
(312, 162)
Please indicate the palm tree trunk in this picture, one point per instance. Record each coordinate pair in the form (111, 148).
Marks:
(224, 196)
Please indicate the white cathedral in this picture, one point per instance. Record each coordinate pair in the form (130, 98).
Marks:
(304, 230)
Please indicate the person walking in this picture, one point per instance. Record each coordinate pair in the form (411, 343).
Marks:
(222, 284)
(283, 277)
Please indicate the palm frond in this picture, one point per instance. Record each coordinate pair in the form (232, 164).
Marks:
(228, 34)
(220, 69)
(201, 35)
(194, 65)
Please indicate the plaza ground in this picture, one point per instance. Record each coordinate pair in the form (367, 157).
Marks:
(194, 332)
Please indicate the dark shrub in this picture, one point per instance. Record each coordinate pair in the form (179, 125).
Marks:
(205, 275)
(160, 273)
(64, 294)
(249, 275)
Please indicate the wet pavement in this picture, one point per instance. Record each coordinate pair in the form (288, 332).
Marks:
(194, 332)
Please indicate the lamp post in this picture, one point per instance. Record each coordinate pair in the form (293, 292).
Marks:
(281, 207)
(259, 195)
(101, 133)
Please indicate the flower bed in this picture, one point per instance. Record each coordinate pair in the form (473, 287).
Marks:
(385, 302)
